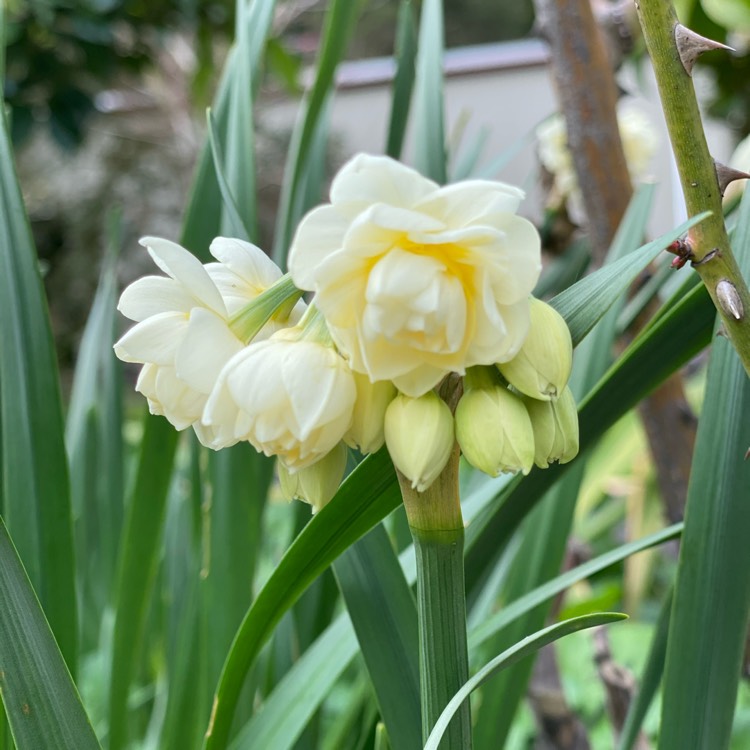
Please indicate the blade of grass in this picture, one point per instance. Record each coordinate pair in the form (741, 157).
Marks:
(529, 645)
(429, 115)
(35, 494)
(137, 565)
(403, 81)
(712, 590)
(337, 28)
(93, 437)
(650, 679)
(41, 701)
(384, 615)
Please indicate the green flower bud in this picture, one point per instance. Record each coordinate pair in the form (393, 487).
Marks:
(493, 428)
(542, 367)
(315, 484)
(555, 425)
(366, 432)
(419, 436)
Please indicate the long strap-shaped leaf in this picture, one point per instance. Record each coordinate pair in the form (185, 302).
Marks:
(520, 650)
(40, 699)
(35, 493)
(712, 592)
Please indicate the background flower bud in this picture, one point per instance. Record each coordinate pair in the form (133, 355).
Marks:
(494, 430)
(366, 432)
(542, 368)
(419, 436)
(318, 483)
(555, 425)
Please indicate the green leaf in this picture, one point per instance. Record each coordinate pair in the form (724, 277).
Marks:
(522, 649)
(587, 300)
(516, 608)
(41, 701)
(429, 116)
(93, 436)
(382, 609)
(339, 23)
(137, 564)
(403, 81)
(650, 680)
(233, 222)
(298, 695)
(35, 492)
(364, 498)
(712, 590)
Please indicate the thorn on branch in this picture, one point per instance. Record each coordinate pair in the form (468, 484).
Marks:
(725, 175)
(691, 45)
(729, 299)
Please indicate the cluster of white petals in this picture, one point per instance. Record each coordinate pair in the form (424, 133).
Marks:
(412, 282)
(639, 142)
(417, 280)
(182, 335)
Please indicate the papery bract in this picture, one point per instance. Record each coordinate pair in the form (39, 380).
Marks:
(417, 280)
(289, 397)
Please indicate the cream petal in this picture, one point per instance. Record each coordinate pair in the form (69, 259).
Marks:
(465, 203)
(153, 340)
(248, 261)
(320, 233)
(207, 346)
(152, 295)
(418, 381)
(184, 267)
(397, 219)
(369, 179)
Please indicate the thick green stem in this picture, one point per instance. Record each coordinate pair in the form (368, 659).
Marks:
(437, 528)
(712, 254)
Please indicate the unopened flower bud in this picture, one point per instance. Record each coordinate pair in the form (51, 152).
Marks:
(419, 436)
(315, 484)
(542, 368)
(493, 427)
(555, 425)
(366, 432)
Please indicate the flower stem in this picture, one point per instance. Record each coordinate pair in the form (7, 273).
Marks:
(437, 528)
(708, 240)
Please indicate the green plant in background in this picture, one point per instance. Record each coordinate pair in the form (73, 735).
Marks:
(190, 609)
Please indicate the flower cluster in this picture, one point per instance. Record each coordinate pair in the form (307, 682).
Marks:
(411, 282)
(639, 142)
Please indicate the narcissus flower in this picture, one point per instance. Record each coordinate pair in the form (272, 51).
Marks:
(366, 432)
(184, 332)
(542, 368)
(417, 280)
(493, 427)
(317, 483)
(555, 425)
(290, 396)
(419, 435)
(639, 141)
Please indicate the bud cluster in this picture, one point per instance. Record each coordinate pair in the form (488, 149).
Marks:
(510, 416)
